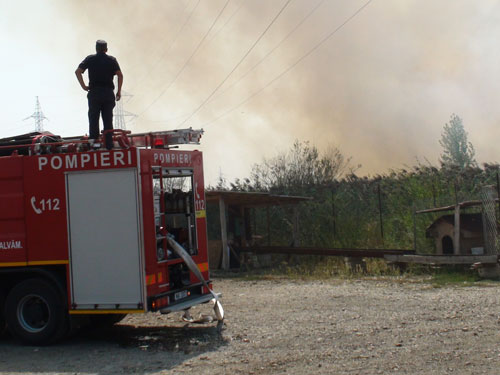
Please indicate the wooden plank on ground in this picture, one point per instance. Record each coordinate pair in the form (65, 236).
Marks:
(442, 259)
(354, 253)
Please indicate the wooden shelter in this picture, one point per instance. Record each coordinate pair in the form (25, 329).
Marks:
(471, 239)
(460, 238)
(459, 229)
(234, 217)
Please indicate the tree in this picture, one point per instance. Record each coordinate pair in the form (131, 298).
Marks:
(458, 152)
(301, 168)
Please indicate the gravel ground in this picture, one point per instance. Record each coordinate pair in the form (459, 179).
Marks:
(294, 327)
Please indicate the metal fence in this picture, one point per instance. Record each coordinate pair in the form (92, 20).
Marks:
(489, 198)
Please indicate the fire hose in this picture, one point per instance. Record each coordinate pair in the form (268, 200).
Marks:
(181, 252)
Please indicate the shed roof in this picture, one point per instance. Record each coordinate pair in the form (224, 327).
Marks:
(253, 199)
(472, 222)
(464, 204)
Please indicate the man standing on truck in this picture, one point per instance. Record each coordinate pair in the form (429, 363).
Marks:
(102, 68)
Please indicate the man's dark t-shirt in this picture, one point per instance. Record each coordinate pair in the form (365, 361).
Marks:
(102, 68)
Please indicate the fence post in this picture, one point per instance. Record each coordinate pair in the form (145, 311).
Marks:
(456, 239)
(223, 232)
(268, 227)
(380, 213)
(498, 192)
(295, 226)
(414, 228)
(334, 224)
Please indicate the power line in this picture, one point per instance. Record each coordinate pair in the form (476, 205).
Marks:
(157, 24)
(310, 13)
(229, 19)
(213, 37)
(314, 48)
(174, 40)
(239, 62)
(188, 60)
(271, 51)
(20, 125)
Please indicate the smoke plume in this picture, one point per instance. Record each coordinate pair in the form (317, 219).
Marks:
(380, 89)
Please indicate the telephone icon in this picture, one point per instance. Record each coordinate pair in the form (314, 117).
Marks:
(35, 208)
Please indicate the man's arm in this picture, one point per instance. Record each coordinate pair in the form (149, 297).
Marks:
(79, 76)
(120, 83)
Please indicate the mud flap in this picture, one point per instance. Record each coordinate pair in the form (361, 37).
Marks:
(179, 250)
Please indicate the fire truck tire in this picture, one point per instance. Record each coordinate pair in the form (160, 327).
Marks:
(35, 313)
(3, 324)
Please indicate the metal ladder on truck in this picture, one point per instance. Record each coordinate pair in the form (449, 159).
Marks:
(37, 143)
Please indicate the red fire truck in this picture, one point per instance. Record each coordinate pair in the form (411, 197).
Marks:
(93, 234)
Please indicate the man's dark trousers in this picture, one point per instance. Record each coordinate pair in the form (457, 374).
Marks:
(101, 103)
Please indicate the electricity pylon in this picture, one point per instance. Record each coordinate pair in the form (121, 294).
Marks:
(38, 116)
(119, 113)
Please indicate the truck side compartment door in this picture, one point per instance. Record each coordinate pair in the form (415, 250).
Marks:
(105, 239)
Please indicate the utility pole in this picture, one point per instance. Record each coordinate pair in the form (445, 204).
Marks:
(38, 116)
(119, 113)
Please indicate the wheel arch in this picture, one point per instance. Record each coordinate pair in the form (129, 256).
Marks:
(56, 275)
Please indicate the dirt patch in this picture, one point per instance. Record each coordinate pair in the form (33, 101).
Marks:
(293, 327)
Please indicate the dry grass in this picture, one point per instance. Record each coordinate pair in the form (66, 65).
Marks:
(334, 268)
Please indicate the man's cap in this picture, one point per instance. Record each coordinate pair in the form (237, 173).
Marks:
(101, 44)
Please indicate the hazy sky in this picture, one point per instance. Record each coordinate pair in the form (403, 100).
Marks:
(380, 89)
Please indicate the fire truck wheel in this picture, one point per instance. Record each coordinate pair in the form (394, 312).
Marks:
(35, 313)
(2, 312)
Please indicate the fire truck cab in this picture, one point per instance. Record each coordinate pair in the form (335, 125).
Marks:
(93, 234)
